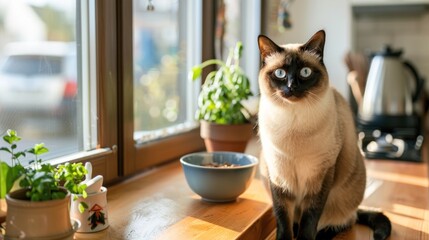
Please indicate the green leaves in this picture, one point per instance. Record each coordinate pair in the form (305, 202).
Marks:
(41, 179)
(38, 178)
(223, 90)
(11, 137)
(41, 184)
(195, 72)
(238, 50)
(82, 207)
(38, 149)
(9, 174)
(72, 175)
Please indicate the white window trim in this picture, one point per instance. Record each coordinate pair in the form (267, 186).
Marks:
(79, 155)
(194, 53)
(251, 10)
(89, 63)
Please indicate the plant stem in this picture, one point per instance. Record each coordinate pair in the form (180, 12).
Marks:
(211, 62)
(14, 159)
(230, 56)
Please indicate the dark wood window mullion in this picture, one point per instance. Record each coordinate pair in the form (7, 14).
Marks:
(125, 90)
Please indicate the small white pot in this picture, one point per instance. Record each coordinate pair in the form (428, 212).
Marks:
(94, 218)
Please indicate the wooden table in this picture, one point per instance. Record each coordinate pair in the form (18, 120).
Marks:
(400, 190)
(403, 196)
(160, 205)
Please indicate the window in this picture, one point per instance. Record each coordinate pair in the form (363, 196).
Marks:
(81, 75)
(157, 113)
(239, 20)
(41, 77)
(163, 52)
(49, 81)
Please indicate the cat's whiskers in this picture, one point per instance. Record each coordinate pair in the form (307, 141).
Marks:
(312, 98)
(313, 95)
(276, 97)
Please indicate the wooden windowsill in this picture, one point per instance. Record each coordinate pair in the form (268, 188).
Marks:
(160, 205)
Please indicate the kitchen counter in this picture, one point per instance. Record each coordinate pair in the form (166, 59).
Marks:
(159, 205)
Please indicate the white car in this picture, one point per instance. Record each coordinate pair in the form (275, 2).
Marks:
(38, 80)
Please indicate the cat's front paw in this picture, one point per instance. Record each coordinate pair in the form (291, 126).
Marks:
(306, 236)
(281, 235)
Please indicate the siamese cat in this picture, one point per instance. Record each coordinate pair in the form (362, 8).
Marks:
(310, 157)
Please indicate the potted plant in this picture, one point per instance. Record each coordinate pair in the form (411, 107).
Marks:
(225, 122)
(34, 193)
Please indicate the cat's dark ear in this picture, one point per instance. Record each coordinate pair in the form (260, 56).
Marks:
(316, 43)
(267, 46)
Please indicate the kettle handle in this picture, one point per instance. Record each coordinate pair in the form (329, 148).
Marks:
(419, 81)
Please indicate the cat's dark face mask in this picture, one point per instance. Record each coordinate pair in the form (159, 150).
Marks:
(296, 75)
(296, 78)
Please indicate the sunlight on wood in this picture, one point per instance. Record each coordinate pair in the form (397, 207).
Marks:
(195, 228)
(398, 177)
(255, 192)
(409, 211)
(371, 186)
(357, 232)
(409, 223)
(260, 194)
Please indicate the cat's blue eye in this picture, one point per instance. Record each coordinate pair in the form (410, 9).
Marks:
(305, 72)
(280, 73)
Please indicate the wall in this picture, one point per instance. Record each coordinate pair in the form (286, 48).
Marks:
(409, 32)
(309, 16)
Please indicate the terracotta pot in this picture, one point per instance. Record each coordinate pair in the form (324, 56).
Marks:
(223, 137)
(2, 211)
(94, 218)
(38, 220)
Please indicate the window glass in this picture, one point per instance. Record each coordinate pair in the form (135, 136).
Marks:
(228, 32)
(33, 65)
(39, 74)
(231, 18)
(161, 87)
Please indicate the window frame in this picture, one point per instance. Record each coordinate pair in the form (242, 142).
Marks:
(103, 153)
(135, 157)
(105, 158)
(117, 154)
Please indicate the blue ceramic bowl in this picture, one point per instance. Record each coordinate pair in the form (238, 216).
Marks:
(220, 183)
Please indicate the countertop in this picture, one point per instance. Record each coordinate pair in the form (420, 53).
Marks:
(159, 205)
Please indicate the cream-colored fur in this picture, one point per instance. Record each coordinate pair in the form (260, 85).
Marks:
(304, 139)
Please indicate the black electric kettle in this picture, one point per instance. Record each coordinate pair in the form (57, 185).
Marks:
(389, 91)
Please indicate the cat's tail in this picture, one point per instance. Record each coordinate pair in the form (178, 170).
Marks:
(377, 221)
